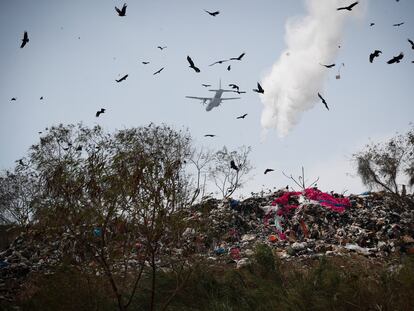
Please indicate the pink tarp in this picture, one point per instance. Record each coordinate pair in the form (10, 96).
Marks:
(324, 199)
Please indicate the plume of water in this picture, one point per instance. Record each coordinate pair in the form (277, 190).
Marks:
(295, 79)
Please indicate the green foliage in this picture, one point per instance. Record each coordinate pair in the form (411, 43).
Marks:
(326, 286)
(67, 289)
(263, 256)
(106, 194)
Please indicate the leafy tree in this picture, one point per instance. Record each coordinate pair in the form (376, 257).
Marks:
(226, 178)
(382, 165)
(120, 198)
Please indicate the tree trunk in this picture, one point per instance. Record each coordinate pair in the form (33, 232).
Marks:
(153, 281)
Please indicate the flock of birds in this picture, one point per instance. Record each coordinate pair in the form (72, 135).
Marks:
(122, 13)
(373, 55)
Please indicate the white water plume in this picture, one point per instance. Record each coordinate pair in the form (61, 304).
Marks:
(293, 84)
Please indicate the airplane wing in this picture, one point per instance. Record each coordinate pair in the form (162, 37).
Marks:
(221, 90)
(201, 98)
(230, 98)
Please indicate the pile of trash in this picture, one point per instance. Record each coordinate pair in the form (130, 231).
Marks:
(305, 224)
(31, 251)
(308, 224)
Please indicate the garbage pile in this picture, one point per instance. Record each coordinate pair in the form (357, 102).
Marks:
(304, 224)
(309, 223)
(31, 251)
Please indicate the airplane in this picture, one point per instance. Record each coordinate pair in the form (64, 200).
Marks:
(216, 100)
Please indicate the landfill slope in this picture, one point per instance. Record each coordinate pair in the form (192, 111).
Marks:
(374, 225)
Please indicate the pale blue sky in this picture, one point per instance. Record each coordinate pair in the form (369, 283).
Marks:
(77, 77)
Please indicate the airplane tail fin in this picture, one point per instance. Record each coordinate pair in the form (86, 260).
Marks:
(220, 89)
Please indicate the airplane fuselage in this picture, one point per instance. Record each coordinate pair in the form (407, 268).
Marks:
(215, 101)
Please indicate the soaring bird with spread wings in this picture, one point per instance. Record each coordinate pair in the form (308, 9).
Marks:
(122, 79)
(349, 7)
(24, 40)
(374, 54)
(99, 112)
(212, 13)
(323, 101)
(121, 12)
(196, 69)
(158, 71)
(239, 57)
(411, 42)
(259, 89)
(396, 59)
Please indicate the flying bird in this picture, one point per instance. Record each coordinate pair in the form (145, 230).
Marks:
(268, 170)
(219, 62)
(41, 98)
(212, 13)
(323, 101)
(13, 99)
(259, 88)
(396, 59)
(196, 69)
(412, 43)
(234, 86)
(242, 117)
(122, 79)
(98, 113)
(79, 148)
(376, 53)
(372, 24)
(161, 47)
(228, 67)
(206, 85)
(239, 57)
(145, 63)
(209, 135)
(233, 165)
(328, 66)
(24, 40)
(398, 25)
(349, 7)
(121, 12)
(158, 71)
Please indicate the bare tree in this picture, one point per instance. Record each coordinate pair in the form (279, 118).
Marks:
(300, 181)
(226, 178)
(17, 193)
(200, 159)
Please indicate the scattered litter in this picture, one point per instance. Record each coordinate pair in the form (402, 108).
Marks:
(305, 224)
